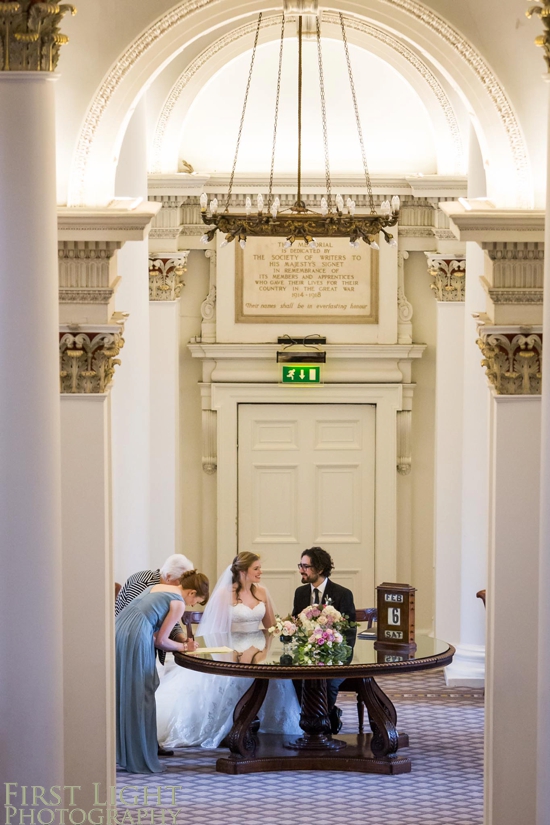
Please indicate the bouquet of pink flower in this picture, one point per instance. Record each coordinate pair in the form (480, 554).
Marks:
(315, 636)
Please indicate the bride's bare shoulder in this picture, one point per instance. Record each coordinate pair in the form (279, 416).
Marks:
(261, 592)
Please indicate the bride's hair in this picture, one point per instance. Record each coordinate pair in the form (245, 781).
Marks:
(192, 580)
(240, 564)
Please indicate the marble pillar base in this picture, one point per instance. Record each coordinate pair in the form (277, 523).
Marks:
(468, 667)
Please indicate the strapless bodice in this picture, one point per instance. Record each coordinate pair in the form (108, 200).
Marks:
(246, 619)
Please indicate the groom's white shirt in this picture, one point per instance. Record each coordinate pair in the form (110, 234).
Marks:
(321, 589)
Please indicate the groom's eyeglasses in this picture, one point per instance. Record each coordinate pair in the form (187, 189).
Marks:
(304, 567)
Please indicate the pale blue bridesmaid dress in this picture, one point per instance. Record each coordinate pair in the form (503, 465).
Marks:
(137, 680)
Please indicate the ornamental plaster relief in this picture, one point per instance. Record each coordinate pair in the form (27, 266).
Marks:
(513, 362)
(449, 276)
(30, 38)
(352, 23)
(513, 280)
(166, 276)
(87, 356)
(453, 44)
(87, 280)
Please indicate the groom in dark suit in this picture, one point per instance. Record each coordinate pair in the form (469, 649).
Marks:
(315, 567)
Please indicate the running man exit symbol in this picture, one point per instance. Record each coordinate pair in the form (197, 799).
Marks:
(301, 374)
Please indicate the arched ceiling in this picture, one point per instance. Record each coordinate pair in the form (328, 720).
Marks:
(397, 92)
(456, 59)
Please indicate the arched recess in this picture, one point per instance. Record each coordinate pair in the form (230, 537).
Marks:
(499, 132)
(166, 142)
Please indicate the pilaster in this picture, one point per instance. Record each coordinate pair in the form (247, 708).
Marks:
(448, 275)
(91, 340)
(510, 338)
(165, 287)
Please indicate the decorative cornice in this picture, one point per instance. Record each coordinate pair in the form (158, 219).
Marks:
(513, 361)
(87, 356)
(166, 276)
(479, 220)
(85, 296)
(30, 40)
(513, 295)
(449, 274)
(111, 223)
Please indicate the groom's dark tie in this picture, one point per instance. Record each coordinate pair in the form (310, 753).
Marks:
(315, 596)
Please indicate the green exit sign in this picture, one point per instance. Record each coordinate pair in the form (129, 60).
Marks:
(301, 374)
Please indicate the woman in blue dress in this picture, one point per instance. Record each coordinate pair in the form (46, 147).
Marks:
(145, 623)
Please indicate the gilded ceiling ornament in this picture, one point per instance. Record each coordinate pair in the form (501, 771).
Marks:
(543, 40)
(30, 39)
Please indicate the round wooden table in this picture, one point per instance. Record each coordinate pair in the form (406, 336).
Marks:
(317, 749)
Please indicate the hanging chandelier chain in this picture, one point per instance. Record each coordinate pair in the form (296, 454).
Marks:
(299, 169)
(230, 189)
(324, 116)
(357, 118)
(278, 95)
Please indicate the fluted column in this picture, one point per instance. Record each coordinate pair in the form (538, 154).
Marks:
(31, 692)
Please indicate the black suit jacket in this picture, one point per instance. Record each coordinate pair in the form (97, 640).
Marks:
(340, 597)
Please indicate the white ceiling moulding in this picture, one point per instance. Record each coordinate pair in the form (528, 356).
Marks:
(112, 223)
(478, 219)
(166, 141)
(429, 186)
(500, 135)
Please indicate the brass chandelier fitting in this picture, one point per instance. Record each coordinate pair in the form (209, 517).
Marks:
(299, 222)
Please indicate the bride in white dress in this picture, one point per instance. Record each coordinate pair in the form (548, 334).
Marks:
(197, 708)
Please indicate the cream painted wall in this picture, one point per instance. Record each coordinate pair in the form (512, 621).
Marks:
(418, 292)
(191, 474)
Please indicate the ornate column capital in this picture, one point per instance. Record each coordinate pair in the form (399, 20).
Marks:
(543, 40)
(449, 274)
(512, 359)
(88, 355)
(166, 275)
(30, 40)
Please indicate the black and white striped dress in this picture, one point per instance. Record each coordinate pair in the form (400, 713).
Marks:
(135, 585)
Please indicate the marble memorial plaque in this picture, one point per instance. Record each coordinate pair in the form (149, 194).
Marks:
(332, 284)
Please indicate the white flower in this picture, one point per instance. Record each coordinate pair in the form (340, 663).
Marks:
(322, 620)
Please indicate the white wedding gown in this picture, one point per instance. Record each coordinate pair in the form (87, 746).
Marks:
(197, 708)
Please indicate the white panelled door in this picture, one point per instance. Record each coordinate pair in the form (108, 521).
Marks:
(306, 477)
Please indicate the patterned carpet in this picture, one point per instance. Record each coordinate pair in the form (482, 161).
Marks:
(445, 786)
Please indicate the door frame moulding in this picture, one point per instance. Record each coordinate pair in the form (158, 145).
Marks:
(387, 398)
